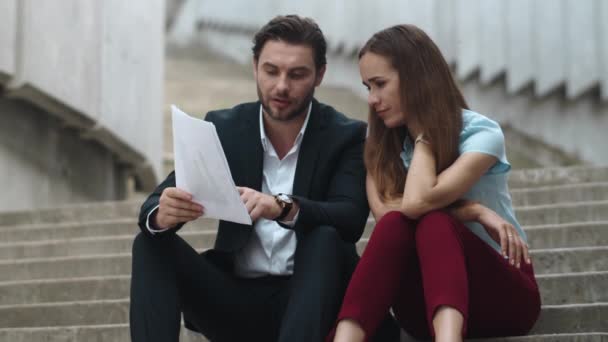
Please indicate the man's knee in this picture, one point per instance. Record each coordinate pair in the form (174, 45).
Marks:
(322, 237)
(144, 244)
(325, 233)
(321, 243)
(140, 243)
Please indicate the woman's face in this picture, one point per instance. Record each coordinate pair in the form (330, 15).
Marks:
(382, 82)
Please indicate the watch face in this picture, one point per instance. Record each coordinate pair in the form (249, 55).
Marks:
(284, 198)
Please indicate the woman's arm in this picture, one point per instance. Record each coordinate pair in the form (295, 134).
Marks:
(426, 191)
(462, 210)
(512, 245)
(378, 207)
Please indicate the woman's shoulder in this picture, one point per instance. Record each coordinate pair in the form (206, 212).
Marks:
(478, 125)
(474, 121)
(482, 134)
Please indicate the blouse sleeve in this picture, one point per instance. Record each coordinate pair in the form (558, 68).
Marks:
(485, 136)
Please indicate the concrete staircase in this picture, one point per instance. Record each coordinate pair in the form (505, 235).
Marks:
(64, 272)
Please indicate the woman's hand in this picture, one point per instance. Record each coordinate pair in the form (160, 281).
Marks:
(512, 245)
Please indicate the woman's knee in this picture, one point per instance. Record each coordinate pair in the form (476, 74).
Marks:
(433, 226)
(393, 226)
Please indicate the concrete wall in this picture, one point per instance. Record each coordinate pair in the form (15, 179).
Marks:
(132, 81)
(97, 68)
(540, 66)
(548, 42)
(8, 11)
(44, 163)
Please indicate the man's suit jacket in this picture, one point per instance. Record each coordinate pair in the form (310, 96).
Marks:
(329, 182)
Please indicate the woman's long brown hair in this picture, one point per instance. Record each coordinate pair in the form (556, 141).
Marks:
(429, 95)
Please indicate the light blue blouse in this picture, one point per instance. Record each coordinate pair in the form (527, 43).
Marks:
(480, 134)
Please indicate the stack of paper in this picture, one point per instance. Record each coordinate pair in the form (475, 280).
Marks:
(202, 170)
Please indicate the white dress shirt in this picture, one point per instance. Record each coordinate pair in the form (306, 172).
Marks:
(271, 248)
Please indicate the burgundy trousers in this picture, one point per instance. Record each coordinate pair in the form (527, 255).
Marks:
(415, 267)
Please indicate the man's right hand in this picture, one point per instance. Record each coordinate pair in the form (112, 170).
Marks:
(176, 206)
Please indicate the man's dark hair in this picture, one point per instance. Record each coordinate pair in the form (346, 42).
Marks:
(296, 30)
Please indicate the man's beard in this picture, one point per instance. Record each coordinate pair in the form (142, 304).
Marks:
(300, 110)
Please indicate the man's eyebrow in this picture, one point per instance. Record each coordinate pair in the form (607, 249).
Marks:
(268, 64)
(295, 69)
(300, 68)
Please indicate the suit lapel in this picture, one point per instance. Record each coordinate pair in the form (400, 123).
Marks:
(249, 144)
(309, 152)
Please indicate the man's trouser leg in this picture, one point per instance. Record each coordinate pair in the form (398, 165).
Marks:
(170, 277)
(317, 286)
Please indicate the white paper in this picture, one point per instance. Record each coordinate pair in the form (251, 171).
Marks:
(202, 170)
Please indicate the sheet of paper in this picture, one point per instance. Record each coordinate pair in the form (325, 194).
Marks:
(202, 170)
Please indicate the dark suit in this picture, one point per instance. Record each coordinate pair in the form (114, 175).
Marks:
(329, 186)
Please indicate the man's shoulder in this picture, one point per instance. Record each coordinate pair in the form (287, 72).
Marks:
(335, 119)
(228, 115)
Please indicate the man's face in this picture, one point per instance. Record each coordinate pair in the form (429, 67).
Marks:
(286, 78)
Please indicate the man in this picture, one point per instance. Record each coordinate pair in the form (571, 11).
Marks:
(298, 167)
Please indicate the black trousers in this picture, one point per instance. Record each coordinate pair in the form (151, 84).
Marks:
(170, 278)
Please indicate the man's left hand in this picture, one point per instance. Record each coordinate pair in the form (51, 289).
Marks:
(259, 204)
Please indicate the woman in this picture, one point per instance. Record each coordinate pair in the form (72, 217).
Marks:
(447, 254)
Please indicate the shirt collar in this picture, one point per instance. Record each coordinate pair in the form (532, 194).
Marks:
(299, 137)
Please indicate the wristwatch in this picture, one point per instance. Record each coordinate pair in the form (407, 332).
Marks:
(285, 202)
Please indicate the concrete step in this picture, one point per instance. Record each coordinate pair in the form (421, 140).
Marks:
(570, 288)
(568, 235)
(551, 182)
(568, 193)
(120, 333)
(574, 318)
(555, 176)
(82, 333)
(562, 213)
(546, 261)
(559, 260)
(64, 314)
(65, 267)
(202, 235)
(581, 337)
(570, 260)
(121, 212)
(58, 231)
(543, 235)
(74, 213)
(74, 230)
(64, 290)
(556, 289)
(90, 246)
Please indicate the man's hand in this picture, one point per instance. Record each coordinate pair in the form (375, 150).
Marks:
(259, 204)
(176, 206)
